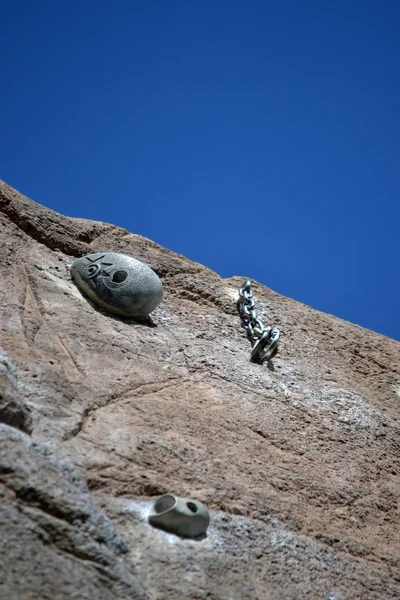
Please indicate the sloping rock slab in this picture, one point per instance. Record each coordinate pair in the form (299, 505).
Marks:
(298, 460)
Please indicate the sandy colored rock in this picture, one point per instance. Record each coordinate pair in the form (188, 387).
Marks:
(298, 461)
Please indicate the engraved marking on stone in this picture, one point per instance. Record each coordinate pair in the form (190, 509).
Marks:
(32, 305)
(97, 270)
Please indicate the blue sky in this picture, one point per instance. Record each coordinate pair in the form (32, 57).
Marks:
(261, 139)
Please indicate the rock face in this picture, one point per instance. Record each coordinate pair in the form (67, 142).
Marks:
(297, 460)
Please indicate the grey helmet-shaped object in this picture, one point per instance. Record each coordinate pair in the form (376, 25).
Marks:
(118, 283)
(186, 518)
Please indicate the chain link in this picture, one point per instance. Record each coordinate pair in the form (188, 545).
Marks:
(264, 339)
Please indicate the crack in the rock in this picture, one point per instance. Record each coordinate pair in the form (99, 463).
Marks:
(43, 236)
(37, 308)
(115, 398)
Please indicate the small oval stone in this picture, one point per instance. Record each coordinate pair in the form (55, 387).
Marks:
(183, 516)
(118, 283)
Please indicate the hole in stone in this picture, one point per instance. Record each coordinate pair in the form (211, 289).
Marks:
(164, 503)
(119, 276)
(191, 506)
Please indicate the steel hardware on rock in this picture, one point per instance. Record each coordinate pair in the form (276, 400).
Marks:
(264, 339)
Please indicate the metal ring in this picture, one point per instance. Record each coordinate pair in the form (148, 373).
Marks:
(265, 341)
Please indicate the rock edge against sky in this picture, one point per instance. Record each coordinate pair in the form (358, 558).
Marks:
(298, 460)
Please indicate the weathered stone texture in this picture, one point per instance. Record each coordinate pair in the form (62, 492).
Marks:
(298, 461)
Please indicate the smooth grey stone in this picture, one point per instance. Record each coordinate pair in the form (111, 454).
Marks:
(118, 283)
(186, 518)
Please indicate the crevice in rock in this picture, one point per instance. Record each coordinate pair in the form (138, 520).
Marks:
(49, 230)
(15, 414)
(141, 390)
(40, 500)
(13, 409)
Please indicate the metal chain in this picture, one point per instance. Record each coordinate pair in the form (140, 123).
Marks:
(264, 339)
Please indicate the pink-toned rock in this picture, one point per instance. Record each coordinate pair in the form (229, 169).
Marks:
(298, 461)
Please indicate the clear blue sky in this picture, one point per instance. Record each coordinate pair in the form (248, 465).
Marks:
(259, 138)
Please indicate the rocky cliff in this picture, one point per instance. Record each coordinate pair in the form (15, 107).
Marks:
(298, 460)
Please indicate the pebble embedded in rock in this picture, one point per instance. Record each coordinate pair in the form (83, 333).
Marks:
(184, 517)
(118, 283)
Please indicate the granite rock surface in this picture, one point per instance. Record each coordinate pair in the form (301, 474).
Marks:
(298, 460)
